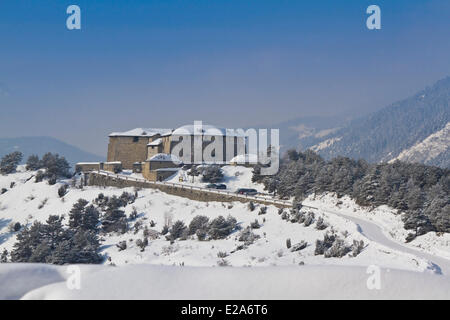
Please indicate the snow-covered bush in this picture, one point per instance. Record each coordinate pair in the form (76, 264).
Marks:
(223, 263)
(320, 224)
(255, 224)
(201, 234)
(39, 176)
(357, 247)
(288, 243)
(133, 214)
(309, 219)
(299, 246)
(220, 228)
(4, 256)
(14, 226)
(295, 216)
(247, 236)
(222, 254)
(337, 250)
(122, 245)
(177, 230)
(251, 206)
(165, 230)
(33, 163)
(142, 243)
(212, 174)
(62, 190)
(325, 244)
(198, 222)
(262, 210)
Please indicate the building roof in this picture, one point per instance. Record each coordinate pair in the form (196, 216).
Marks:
(141, 132)
(157, 142)
(190, 129)
(165, 157)
(204, 129)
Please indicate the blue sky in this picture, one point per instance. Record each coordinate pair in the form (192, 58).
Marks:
(230, 63)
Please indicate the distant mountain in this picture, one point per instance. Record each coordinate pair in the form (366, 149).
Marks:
(41, 145)
(301, 133)
(415, 130)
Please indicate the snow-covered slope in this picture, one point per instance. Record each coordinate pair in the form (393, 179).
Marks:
(235, 177)
(173, 283)
(27, 201)
(428, 149)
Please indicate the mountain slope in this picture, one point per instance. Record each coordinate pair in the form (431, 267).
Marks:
(384, 135)
(429, 150)
(41, 145)
(301, 133)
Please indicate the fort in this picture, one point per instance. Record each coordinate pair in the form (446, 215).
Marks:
(156, 153)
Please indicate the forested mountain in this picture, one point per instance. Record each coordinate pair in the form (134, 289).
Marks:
(418, 191)
(416, 123)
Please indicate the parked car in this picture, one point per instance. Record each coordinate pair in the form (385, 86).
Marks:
(216, 186)
(248, 192)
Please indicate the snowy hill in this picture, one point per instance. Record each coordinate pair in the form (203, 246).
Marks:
(26, 201)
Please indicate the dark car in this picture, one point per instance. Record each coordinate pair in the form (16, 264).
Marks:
(216, 186)
(248, 192)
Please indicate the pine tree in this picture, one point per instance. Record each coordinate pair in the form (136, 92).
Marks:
(9, 162)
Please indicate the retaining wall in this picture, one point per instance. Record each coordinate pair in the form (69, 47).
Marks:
(193, 193)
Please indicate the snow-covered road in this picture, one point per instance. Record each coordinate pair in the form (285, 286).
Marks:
(375, 233)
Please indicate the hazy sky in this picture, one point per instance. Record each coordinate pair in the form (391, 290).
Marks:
(231, 63)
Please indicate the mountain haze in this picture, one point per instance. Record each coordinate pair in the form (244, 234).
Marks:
(41, 145)
(416, 124)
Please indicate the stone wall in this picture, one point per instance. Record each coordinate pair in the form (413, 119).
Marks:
(127, 150)
(96, 179)
(112, 166)
(87, 166)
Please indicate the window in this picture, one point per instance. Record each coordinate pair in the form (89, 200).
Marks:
(135, 139)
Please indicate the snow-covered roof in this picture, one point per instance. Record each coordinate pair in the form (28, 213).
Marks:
(190, 129)
(204, 129)
(141, 132)
(86, 163)
(165, 157)
(157, 142)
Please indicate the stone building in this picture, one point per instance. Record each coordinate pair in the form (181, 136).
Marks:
(132, 146)
(149, 151)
